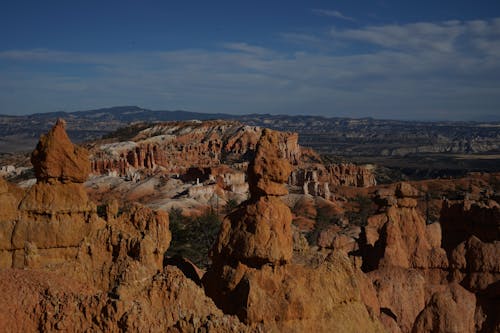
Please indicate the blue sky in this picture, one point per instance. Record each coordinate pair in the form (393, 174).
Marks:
(428, 60)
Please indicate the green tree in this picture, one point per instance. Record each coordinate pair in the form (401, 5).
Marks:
(192, 237)
(231, 205)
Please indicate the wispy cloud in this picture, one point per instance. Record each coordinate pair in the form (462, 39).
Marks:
(409, 71)
(247, 48)
(416, 36)
(333, 13)
(301, 37)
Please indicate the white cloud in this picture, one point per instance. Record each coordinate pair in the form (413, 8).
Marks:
(412, 71)
(332, 13)
(416, 36)
(246, 48)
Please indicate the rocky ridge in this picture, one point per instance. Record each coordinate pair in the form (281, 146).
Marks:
(178, 148)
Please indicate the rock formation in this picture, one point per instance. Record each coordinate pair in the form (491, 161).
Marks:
(88, 272)
(177, 146)
(55, 214)
(317, 179)
(348, 174)
(67, 264)
(259, 232)
(471, 236)
(182, 147)
(399, 257)
(56, 158)
(252, 274)
(463, 219)
(397, 236)
(439, 277)
(450, 310)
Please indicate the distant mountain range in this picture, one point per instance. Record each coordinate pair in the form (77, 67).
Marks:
(19, 133)
(128, 114)
(335, 136)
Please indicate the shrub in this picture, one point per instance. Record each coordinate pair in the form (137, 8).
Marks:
(192, 237)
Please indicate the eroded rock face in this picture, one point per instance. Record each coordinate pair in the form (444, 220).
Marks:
(471, 232)
(53, 302)
(324, 297)
(8, 202)
(83, 271)
(177, 146)
(460, 220)
(403, 257)
(475, 263)
(56, 158)
(88, 272)
(45, 198)
(55, 214)
(411, 263)
(126, 250)
(398, 235)
(451, 310)
(45, 301)
(348, 174)
(317, 179)
(401, 294)
(253, 278)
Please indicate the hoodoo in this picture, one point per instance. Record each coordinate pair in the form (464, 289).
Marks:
(253, 274)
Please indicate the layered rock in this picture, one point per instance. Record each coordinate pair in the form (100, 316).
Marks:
(55, 214)
(187, 150)
(348, 174)
(177, 146)
(411, 263)
(471, 236)
(9, 215)
(398, 235)
(404, 259)
(8, 202)
(253, 277)
(316, 179)
(88, 272)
